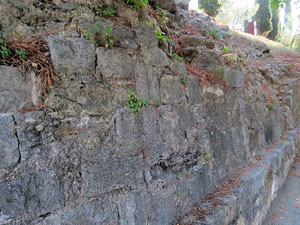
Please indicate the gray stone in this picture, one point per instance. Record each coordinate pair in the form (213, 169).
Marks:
(172, 90)
(193, 90)
(35, 194)
(146, 35)
(113, 64)
(156, 57)
(15, 89)
(9, 143)
(124, 38)
(234, 77)
(72, 56)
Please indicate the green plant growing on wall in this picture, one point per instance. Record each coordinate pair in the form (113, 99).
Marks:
(149, 23)
(106, 37)
(227, 49)
(204, 158)
(22, 54)
(163, 14)
(4, 50)
(271, 106)
(134, 103)
(177, 57)
(137, 4)
(184, 81)
(215, 33)
(161, 36)
(243, 182)
(177, 192)
(110, 11)
(185, 173)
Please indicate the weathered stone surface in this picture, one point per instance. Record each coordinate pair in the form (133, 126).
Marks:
(193, 90)
(35, 194)
(112, 64)
(72, 56)
(146, 35)
(156, 57)
(9, 143)
(234, 77)
(172, 90)
(15, 89)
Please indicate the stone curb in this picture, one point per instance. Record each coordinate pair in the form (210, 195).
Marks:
(251, 201)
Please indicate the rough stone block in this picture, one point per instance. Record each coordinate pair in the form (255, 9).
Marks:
(35, 194)
(193, 90)
(234, 77)
(9, 149)
(146, 35)
(172, 90)
(156, 57)
(114, 64)
(15, 89)
(72, 56)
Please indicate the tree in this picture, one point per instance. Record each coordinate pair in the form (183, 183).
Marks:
(279, 3)
(275, 24)
(211, 7)
(263, 18)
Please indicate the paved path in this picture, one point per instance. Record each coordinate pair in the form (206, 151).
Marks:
(285, 209)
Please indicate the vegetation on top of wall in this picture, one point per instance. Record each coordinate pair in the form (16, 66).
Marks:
(137, 4)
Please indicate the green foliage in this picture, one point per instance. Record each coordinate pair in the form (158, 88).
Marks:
(109, 11)
(163, 14)
(4, 50)
(243, 182)
(271, 106)
(204, 158)
(278, 3)
(135, 103)
(21, 53)
(184, 81)
(149, 23)
(215, 33)
(137, 4)
(217, 70)
(211, 7)
(185, 173)
(266, 181)
(263, 17)
(227, 49)
(177, 57)
(177, 192)
(106, 36)
(161, 36)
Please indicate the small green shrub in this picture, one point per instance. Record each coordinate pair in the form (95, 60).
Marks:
(243, 182)
(106, 37)
(135, 103)
(185, 173)
(227, 49)
(163, 14)
(137, 4)
(177, 192)
(271, 106)
(149, 23)
(184, 81)
(22, 54)
(4, 50)
(177, 57)
(215, 33)
(110, 11)
(204, 158)
(161, 36)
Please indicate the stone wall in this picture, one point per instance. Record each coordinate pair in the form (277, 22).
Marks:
(86, 159)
